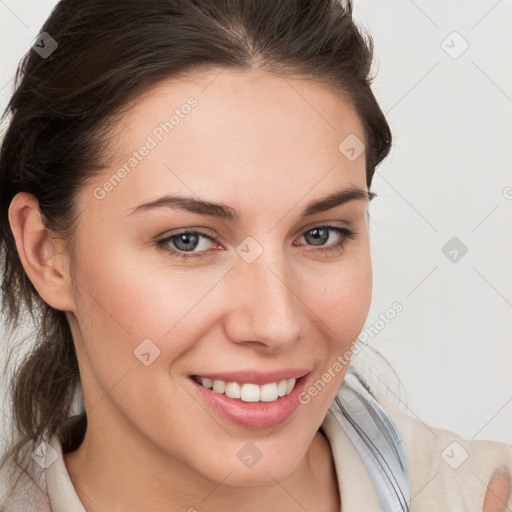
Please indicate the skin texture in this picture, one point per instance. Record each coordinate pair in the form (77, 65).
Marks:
(267, 146)
(498, 491)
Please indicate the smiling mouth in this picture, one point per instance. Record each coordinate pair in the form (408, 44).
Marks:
(249, 392)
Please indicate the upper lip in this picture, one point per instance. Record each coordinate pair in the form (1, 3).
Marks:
(256, 376)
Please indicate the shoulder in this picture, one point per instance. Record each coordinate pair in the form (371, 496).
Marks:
(445, 468)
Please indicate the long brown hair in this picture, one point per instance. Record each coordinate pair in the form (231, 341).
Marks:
(108, 52)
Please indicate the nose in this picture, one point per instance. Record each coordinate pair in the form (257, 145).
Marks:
(267, 312)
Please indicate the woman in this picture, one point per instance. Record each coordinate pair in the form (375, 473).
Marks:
(185, 187)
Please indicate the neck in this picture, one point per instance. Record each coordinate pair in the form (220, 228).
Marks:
(109, 477)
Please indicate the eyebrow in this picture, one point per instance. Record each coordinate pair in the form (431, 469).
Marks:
(226, 212)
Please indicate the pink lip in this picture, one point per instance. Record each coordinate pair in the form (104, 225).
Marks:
(255, 376)
(254, 415)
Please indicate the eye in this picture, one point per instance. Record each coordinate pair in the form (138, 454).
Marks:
(183, 244)
(319, 235)
(193, 244)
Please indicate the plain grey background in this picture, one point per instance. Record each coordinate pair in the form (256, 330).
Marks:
(444, 80)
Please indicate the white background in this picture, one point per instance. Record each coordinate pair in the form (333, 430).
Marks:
(447, 176)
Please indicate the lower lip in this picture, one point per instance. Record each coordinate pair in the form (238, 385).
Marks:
(253, 415)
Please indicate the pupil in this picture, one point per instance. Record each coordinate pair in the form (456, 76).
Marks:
(319, 234)
(185, 239)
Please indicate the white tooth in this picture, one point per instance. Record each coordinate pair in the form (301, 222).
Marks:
(250, 393)
(269, 392)
(207, 383)
(281, 387)
(290, 384)
(219, 386)
(233, 390)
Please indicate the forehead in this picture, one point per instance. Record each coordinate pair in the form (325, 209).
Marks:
(229, 95)
(241, 133)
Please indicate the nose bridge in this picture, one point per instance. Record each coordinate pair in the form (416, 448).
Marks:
(266, 309)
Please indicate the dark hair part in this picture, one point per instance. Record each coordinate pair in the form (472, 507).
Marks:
(108, 53)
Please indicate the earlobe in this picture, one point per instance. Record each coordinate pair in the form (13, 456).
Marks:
(40, 253)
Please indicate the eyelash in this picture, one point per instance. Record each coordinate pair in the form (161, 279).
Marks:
(345, 236)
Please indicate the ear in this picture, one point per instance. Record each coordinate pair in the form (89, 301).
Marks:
(41, 254)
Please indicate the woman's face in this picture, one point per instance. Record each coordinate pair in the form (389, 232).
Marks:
(253, 292)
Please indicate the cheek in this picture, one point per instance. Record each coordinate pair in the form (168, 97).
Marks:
(125, 302)
(342, 307)
(344, 298)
